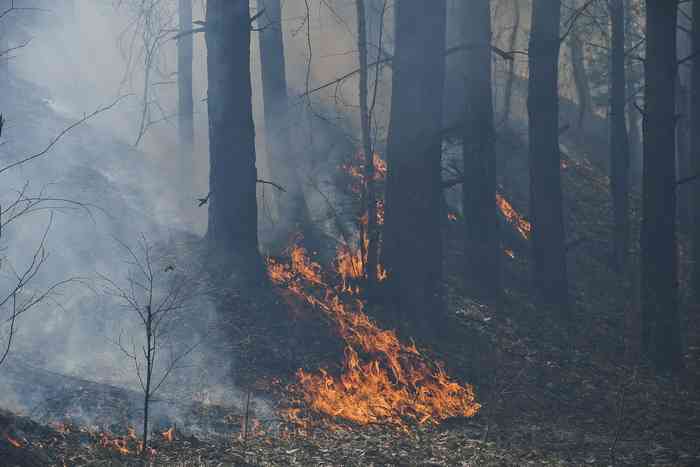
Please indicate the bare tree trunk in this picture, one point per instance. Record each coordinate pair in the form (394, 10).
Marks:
(695, 151)
(549, 257)
(185, 101)
(659, 267)
(619, 143)
(284, 162)
(233, 211)
(683, 168)
(412, 251)
(578, 65)
(370, 199)
(512, 42)
(481, 241)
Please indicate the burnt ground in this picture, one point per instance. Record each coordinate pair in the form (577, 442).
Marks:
(550, 396)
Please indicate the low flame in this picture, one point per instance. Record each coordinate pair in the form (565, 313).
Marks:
(383, 379)
(169, 435)
(523, 226)
(14, 442)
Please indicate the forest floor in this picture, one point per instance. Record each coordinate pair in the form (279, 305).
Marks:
(550, 396)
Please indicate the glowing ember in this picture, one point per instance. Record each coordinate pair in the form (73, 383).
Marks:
(513, 217)
(15, 443)
(383, 379)
(118, 444)
(169, 435)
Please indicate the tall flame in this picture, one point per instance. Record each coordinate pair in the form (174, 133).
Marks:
(383, 380)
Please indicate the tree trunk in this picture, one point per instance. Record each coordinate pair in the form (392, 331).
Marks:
(185, 104)
(578, 67)
(284, 162)
(481, 241)
(659, 282)
(512, 42)
(695, 150)
(619, 143)
(549, 275)
(233, 212)
(634, 80)
(412, 250)
(369, 195)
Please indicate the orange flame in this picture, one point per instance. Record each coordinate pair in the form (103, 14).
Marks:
(169, 435)
(383, 379)
(15, 443)
(514, 217)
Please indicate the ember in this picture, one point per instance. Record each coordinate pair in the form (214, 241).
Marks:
(383, 379)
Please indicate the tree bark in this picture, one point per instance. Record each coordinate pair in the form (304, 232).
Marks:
(284, 162)
(549, 260)
(233, 212)
(619, 142)
(481, 241)
(412, 250)
(578, 67)
(695, 151)
(659, 281)
(512, 42)
(185, 102)
(369, 195)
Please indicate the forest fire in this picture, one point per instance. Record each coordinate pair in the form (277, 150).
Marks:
(509, 212)
(383, 379)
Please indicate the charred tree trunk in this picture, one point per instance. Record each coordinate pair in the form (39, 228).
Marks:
(481, 240)
(578, 67)
(683, 169)
(412, 251)
(549, 257)
(293, 211)
(369, 195)
(185, 104)
(619, 143)
(233, 211)
(695, 150)
(659, 281)
(634, 80)
(512, 42)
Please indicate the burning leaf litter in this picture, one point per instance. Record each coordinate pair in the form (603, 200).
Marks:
(384, 381)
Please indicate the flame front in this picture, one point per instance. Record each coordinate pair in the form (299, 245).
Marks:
(383, 380)
(509, 212)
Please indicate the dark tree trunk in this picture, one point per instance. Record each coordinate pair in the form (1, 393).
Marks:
(369, 195)
(412, 250)
(683, 169)
(580, 75)
(659, 282)
(185, 102)
(512, 42)
(683, 154)
(695, 150)
(284, 162)
(549, 275)
(481, 241)
(233, 212)
(619, 143)
(634, 80)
